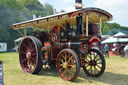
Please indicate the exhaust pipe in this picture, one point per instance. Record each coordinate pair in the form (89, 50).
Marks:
(78, 4)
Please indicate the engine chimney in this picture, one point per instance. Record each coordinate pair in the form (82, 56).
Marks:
(78, 4)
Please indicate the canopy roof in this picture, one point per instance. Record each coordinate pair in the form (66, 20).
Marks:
(19, 39)
(114, 38)
(48, 22)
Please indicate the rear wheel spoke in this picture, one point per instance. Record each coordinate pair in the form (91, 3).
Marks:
(24, 60)
(31, 45)
(33, 49)
(33, 54)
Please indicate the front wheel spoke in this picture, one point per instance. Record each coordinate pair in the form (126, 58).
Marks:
(98, 66)
(65, 57)
(90, 58)
(87, 65)
(98, 63)
(61, 64)
(68, 55)
(65, 71)
(72, 66)
(89, 68)
(61, 69)
(70, 58)
(96, 69)
(97, 59)
(62, 61)
(74, 69)
(70, 72)
(95, 56)
(86, 59)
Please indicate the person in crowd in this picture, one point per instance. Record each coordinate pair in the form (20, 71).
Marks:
(106, 48)
(126, 51)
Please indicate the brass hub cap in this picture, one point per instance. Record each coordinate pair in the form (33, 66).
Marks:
(28, 55)
(65, 65)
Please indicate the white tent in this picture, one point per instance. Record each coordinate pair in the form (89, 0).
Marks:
(115, 40)
(3, 47)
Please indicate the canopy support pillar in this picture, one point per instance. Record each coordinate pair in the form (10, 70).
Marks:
(34, 28)
(100, 26)
(20, 33)
(86, 25)
(25, 32)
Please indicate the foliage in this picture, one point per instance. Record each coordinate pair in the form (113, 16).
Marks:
(14, 11)
(113, 28)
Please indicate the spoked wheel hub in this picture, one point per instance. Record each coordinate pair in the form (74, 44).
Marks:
(65, 65)
(28, 55)
(92, 63)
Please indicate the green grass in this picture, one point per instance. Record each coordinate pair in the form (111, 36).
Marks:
(116, 73)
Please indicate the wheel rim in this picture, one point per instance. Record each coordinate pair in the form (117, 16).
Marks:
(67, 65)
(93, 63)
(28, 55)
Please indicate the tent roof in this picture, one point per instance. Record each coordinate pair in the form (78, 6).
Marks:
(113, 39)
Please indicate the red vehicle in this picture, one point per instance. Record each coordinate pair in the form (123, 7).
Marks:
(66, 41)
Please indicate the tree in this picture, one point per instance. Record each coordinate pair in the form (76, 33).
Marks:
(14, 11)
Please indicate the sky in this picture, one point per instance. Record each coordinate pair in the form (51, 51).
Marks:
(118, 8)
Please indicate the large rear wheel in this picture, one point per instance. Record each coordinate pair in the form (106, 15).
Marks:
(30, 55)
(68, 65)
(94, 63)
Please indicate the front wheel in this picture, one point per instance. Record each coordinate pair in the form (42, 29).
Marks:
(68, 65)
(94, 63)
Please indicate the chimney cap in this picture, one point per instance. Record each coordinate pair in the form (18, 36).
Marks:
(78, 5)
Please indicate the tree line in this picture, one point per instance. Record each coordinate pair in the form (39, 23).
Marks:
(14, 11)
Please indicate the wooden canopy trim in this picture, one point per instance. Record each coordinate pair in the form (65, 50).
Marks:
(49, 22)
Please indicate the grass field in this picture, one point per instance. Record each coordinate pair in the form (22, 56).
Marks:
(116, 73)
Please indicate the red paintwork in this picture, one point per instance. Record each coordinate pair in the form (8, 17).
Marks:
(94, 39)
(81, 47)
(46, 44)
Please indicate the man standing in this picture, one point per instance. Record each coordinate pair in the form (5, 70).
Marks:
(126, 51)
(106, 48)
